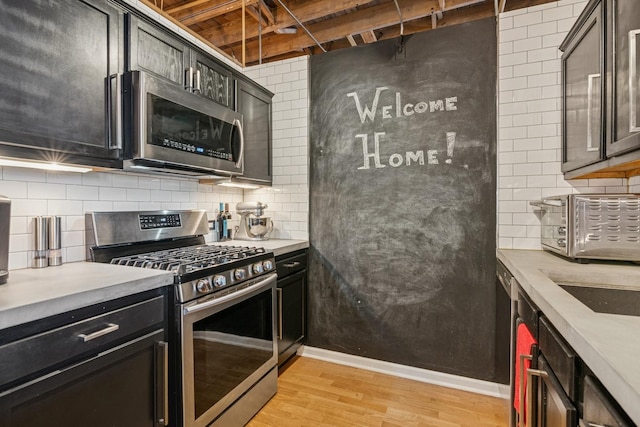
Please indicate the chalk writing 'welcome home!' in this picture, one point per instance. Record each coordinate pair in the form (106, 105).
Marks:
(394, 110)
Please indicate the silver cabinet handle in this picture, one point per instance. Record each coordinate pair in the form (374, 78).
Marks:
(530, 374)
(292, 264)
(633, 81)
(562, 243)
(562, 230)
(590, 137)
(111, 327)
(114, 126)
(240, 162)
(279, 292)
(162, 383)
(521, 420)
(188, 79)
(197, 85)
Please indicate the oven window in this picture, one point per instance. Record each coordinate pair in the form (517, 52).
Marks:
(179, 128)
(229, 346)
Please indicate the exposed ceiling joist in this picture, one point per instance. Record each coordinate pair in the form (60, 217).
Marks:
(272, 33)
(209, 10)
(369, 37)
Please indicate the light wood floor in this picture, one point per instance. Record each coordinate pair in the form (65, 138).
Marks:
(316, 393)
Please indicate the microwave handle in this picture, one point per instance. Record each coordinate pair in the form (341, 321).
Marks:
(114, 113)
(237, 122)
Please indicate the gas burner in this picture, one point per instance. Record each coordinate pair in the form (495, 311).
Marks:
(188, 259)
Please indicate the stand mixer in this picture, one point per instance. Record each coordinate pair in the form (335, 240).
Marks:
(253, 226)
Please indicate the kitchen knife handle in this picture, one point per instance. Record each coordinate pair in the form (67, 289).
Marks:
(633, 80)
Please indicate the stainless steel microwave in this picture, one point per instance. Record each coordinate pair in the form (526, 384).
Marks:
(171, 130)
(591, 226)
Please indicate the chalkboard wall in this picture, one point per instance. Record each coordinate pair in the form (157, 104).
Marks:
(403, 203)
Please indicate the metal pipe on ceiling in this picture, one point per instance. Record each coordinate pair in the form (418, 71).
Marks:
(302, 25)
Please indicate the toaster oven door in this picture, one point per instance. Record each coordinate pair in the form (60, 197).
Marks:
(554, 225)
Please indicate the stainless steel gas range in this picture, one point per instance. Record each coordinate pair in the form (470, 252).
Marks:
(223, 328)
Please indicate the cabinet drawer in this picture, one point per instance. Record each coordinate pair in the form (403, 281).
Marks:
(559, 355)
(529, 313)
(292, 264)
(599, 408)
(22, 358)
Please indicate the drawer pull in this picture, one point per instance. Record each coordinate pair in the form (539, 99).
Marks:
(111, 327)
(292, 264)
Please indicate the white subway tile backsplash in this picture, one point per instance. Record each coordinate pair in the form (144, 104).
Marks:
(521, 180)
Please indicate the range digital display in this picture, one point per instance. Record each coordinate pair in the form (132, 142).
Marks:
(150, 222)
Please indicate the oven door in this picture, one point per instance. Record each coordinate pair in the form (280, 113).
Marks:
(554, 227)
(228, 344)
(176, 131)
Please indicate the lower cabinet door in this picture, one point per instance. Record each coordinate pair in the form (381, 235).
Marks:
(116, 388)
(291, 314)
(555, 409)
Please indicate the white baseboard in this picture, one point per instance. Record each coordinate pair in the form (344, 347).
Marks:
(418, 374)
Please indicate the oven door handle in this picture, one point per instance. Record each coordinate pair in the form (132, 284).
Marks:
(263, 283)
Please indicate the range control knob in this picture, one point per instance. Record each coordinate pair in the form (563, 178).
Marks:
(239, 274)
(257, 268)
(219, 281)
(204, 285)
(268, 265)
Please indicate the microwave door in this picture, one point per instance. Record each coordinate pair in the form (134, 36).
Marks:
(177, 128)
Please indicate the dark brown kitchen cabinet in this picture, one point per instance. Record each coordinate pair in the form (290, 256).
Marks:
(623, 61)
(157, 51)
(582, 90)
(59, 62)
(100, 366)
(291, 304)
(601, 92)
(254, 102)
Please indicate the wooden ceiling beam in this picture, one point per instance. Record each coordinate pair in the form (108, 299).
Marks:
(305, 10)
(352, 41)
(454, 17)
(372, 18)
(209, 10)
(266, 12)
(255, 13)
(185, 6)
(369, 37)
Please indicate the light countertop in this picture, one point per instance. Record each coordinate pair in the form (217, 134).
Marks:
(278, 246)
(32, 294)
(609, 344)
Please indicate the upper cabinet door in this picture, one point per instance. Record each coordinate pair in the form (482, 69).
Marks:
(582, 73)
(623, 41)
(156, 51)
(212, 80)
(255, 106)
(59, 61)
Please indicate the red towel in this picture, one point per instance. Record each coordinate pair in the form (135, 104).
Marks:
(524, 341)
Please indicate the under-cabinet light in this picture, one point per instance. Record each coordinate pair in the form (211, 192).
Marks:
(239, 185)
(43, 166)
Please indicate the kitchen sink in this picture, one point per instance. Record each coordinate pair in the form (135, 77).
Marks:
(605, 299)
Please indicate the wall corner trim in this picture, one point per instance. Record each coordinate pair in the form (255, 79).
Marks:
(417, 374)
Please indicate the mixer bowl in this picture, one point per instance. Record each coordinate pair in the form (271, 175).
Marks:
(258, 227)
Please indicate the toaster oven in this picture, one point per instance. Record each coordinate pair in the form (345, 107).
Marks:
(591, 226)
